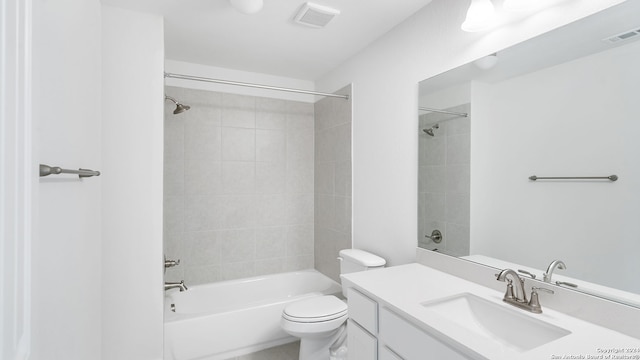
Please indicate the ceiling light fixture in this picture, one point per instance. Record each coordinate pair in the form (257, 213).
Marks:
(247, 6)
(521, 5)
(480, 16)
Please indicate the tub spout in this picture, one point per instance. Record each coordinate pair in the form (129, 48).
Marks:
(173, 285)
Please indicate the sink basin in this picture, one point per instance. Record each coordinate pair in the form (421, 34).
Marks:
(488, 321)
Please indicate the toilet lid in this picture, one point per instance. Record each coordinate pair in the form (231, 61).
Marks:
(315, 309)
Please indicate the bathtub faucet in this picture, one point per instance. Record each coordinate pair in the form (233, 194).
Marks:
(173, 285)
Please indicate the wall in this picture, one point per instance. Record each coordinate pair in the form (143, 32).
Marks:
(332, 182)
(385, 77)
(17, 179)
(444, 180)
(213, 72)
(238, 186)
(66, 291)
(573, 119)
(132, 139)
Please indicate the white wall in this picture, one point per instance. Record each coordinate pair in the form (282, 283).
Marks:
(573, 119)
(17, 179)
(385, 98)
(132, 141)
(185, 68)
(66, 246)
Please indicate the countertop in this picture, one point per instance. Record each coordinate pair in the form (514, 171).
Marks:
(403, 288)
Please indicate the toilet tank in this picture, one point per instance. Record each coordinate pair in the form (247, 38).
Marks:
(353, 260)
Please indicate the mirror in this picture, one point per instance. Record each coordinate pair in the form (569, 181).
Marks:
(564, 104)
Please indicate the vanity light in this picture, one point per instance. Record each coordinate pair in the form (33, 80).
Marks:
(520, 5)
(247, 6)
(480, 16)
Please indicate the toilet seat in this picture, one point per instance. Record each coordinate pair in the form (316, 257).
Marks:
(316, 310)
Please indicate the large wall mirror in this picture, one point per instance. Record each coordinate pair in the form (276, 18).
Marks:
(564, 104)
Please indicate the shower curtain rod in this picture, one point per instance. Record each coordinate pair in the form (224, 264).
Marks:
(443, 111)
(267, 87)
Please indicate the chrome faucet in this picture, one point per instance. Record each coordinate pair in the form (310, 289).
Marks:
(532, 305)
(175, 285)
(555, 264)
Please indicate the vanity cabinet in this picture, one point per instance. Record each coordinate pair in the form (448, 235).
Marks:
(378, 333)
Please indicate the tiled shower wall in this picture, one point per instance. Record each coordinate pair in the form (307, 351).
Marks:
(444, 181)
(332, 182)
(239, 186)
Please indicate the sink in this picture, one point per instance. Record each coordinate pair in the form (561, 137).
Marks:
(488, 321)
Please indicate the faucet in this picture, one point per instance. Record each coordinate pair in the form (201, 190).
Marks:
(509, 296)
(555, 264)
(175, 285)
(532, 305)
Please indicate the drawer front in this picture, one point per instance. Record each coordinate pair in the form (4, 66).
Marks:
(384, 353)
(410, 342)
(361, 345)
(363, 310)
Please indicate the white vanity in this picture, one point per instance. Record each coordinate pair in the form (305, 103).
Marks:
(414, 312)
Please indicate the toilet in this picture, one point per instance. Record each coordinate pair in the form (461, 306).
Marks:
(320, 322)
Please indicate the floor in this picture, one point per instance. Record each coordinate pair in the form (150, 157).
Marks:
(282, 352)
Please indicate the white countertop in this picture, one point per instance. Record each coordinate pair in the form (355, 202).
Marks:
(403, 288)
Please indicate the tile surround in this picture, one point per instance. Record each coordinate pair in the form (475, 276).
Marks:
(332, 182)
(239, 189)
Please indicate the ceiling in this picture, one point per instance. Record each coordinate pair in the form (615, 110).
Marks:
(211, 32)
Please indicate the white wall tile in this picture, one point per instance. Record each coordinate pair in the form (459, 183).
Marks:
(238, 111)
(300, 177)
(202, 177)
(270, 178)
(237, 211)
(238, 177)
(237, 245)
(270, 242)
(238, 144)
(238, 270)
(270, 145)
(271, 210)
(202, 140)
(300, 145)
(201, 248)
(299, 240)
(299, 209)
(202, 213)
(271, 114)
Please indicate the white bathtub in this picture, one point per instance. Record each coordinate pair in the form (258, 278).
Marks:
(231, 318)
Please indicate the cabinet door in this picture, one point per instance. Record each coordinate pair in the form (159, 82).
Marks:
(410, 342)
(361, 345)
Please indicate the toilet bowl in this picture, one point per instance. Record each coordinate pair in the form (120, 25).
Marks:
(320, 322)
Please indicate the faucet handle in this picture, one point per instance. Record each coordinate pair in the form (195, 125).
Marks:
(533, 276)
(534, 303)
(171, 263)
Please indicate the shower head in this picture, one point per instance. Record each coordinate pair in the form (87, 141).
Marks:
(180, 108)
(429, 131)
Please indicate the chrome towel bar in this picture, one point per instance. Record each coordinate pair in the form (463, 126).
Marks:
(610, 178)
(46, 170)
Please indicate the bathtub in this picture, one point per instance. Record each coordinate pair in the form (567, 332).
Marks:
(231, 318)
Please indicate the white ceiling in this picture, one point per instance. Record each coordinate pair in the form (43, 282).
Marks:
(211, 32)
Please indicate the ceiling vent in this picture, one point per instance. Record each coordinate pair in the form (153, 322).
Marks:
(316, 16)
(623, 36)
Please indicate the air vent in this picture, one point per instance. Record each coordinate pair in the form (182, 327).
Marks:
(623, 36)
(316, 16)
